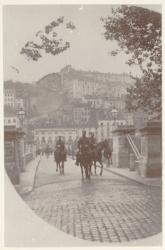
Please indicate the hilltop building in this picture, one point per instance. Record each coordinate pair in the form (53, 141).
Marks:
(9, 97)
(12, 100)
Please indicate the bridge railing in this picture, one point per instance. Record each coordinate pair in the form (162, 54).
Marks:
(134, 147)
(136, 153)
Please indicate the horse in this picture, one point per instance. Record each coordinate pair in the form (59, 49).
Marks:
(100, 149)
(84, 159)
(60, 158)
(96, 156)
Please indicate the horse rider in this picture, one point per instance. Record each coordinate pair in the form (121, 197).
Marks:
(83, 146)
(61, 146)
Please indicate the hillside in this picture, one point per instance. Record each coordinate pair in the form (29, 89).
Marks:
(41, 96)
(55, 89)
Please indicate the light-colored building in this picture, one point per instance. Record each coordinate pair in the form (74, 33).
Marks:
(105, 102)
(83, 87)
(11, 121)
(44, 136)
(107, 125)
(94, 101)
(10, 118)
(105, 128)
(81, 113)
(11, 100)
(9, 97)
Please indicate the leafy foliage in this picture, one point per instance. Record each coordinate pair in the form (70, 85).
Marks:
(138, 33)
(47, 41)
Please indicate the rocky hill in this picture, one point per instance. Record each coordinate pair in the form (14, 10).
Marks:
(52, 91)
(43, 97)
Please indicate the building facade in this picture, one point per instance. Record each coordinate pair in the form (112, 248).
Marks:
(105, 128)
(9, 97)
(49, 136)
(11, 100)
(83, 87)
(11, 121)
(11, 118)
(82, 83)
(81, 114)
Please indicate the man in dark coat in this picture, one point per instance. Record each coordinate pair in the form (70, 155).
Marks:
(83, 146)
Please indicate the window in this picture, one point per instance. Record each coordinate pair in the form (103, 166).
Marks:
(14, 120)
(9, 121)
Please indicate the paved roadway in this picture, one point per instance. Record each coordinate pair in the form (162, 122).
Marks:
(106, 209)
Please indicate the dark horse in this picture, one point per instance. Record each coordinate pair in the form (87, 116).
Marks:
(60, 158)
(100, 149)
(84, 158)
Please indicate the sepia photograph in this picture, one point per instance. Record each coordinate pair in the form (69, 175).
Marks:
(82, 101)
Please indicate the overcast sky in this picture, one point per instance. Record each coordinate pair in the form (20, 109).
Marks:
(89, 49)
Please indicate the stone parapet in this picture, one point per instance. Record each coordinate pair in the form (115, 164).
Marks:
(121, 149)
(151, 150)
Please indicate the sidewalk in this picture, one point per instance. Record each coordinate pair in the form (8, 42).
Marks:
(133, 175)
(27, 177)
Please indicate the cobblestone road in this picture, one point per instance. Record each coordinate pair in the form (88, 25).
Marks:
(106, 209)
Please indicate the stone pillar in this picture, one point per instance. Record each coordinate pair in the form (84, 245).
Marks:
(13, 160)
(121, 149)
(21, 147)
(151, 150)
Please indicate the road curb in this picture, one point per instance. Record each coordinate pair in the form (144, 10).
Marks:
(28, 190)
(132, 179)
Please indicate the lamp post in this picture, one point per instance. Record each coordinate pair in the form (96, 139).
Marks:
(102, 131)
(21, 117)
(114, 113)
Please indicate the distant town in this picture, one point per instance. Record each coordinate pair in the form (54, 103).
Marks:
(75, 100)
